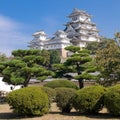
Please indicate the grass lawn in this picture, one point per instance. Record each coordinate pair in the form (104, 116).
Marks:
(54, 114)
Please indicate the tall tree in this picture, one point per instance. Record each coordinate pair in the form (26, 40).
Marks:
(25, 65)
(108, 62)
(77, 60)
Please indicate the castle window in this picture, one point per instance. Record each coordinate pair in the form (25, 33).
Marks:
(75, 18)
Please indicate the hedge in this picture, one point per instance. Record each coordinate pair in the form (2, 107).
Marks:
(61, 83)
(29, 101)
(64, 98)
(50, 92)
(112, 100)
(89, 99)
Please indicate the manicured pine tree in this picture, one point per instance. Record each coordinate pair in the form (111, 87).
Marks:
(25, 65)
(79, 61)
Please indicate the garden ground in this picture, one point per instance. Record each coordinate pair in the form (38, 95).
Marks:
(55, 114)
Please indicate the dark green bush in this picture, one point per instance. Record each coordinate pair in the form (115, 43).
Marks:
(28, 101)
(89, 99)
(50, 92)
(112, 100)
(61, 83)
(63, 98)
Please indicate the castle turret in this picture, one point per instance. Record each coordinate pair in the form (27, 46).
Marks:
(80, 28)
(38, 40)
(59, 42)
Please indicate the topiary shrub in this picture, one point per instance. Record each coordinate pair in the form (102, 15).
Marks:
(50, 92)
(28, 101)
(89, 99)
(63, 98)
(61, 83)
(112, 100)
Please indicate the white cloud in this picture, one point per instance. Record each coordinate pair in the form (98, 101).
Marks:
(12, 35)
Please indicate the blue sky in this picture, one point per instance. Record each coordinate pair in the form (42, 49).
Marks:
(19, 19)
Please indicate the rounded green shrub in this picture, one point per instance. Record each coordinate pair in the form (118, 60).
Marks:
(29, 101)
(112, 100)
(50, 92)
(89, 99)
(63, 98)
(61, 83)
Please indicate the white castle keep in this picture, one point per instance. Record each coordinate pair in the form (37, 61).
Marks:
(79, 31)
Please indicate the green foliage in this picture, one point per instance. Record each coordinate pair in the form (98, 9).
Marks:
(58, 69)
(90, 66)
(89, 99)
(33, 56)
(74, 64)
(54, 57)
(77, 62)
(28, 101)
(2, 57)
(108, 63)
(94, 46)
(61, 83)
(61, 69)
(73, 48)
(25, 65)
(22, 53)
(50, 92)
(12, 72)
(42, 78)
(64, 97)
(86, 76)
(46, 55)
(112, 99)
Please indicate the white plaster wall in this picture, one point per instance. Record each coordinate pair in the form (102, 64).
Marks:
(84, 38)
(92, 39)
(42, 37)
(7, 88)
(82, 44)
(88, 26)
(63, 36)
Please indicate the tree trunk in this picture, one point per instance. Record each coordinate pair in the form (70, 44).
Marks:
(26, 81)
(81, 83)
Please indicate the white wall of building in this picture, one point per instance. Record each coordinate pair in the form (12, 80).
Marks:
(92, 39)
(6, 87)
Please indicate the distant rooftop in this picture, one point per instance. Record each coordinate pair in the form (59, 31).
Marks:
(77, 12)
(60, 32)
(41, 32)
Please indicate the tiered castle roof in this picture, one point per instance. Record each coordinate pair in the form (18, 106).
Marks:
(79, 30)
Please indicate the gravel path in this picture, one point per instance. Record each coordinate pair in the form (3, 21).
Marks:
(55, 114)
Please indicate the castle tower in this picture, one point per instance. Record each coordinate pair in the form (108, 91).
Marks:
(38, 40)
(80, 29)
(59, 42)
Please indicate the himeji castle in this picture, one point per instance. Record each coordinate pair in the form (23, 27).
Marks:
(78, 31)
